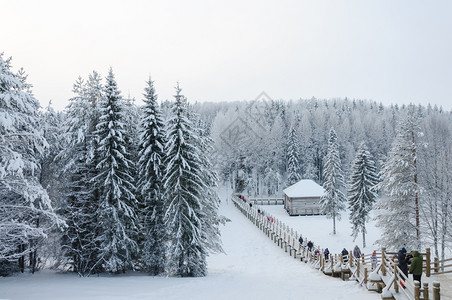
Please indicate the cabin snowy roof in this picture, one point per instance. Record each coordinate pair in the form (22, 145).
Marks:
(303, 189)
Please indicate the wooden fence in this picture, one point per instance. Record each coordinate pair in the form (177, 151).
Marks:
(384, 277)
(266, 201)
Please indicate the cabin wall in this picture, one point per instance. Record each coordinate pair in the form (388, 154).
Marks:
(302, 206)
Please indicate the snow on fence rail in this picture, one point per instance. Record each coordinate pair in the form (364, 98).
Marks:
(386, 278)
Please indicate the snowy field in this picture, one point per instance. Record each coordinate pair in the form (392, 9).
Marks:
(253, 268)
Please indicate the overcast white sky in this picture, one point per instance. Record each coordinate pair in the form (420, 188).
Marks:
(385, 50)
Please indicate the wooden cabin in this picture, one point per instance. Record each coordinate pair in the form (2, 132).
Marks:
(303, 198)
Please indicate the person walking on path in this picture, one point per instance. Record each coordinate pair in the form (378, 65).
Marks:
(344, 255)
(416, 266)
(300, 240)
(403, 264)
(357, 252)
(374, 260)
(326, 253)
(310, 245)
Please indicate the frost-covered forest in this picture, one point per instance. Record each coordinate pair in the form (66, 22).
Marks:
(105, 186)
(110, 185)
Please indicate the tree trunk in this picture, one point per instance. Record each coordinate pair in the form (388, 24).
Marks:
(364, 237)
(334, 224)
(416, 200)
(22, 258)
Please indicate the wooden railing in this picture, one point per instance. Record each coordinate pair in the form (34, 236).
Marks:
(441, 266)
(266, 201)
(386, 278)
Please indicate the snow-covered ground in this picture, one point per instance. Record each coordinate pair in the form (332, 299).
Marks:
(252, 268)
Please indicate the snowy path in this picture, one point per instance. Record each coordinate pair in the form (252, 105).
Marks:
(254, 268)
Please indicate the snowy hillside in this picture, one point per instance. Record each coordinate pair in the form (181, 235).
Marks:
(252, 268)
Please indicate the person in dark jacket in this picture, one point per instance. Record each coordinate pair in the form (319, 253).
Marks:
(344, 255)
(356, 252)
(403, 264)
(310, 245)
(416, 266)
(327, 254)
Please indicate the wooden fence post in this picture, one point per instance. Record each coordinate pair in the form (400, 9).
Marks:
(425, 291)
(396, 276)
(357, 268)
(332, 265)
(436, 265)
(427, 262)
(436, 291)
(365, 276)
(417, 294)
(350, 258)
(383, 261)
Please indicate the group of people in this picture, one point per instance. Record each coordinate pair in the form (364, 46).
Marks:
(305, 243)
(310, 245)
(356, 253)
(414, 261)
(259, 211)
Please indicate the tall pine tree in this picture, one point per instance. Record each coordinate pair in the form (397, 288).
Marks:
(332, 202)
(150, 186)
(361, 192)
(117, 203)
(187, 192)
(79, 241)
(293, 165)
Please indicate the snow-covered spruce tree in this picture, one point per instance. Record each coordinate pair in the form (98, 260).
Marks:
(150, 186)
(132, 117)
(190, 214)
(332, 201)
(398, 213)
(79, 241)
(116, 213)
(26, 213)
(211, 201)
(361, 192)
(293, 165)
